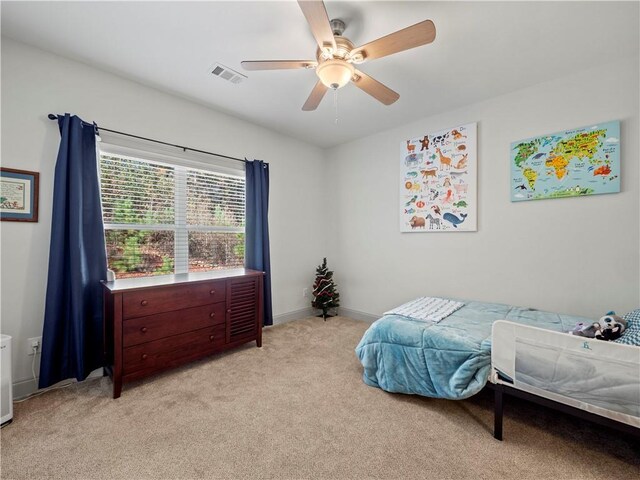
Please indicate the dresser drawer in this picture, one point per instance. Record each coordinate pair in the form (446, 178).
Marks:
(170, 351)
(147, 302)
(153, 327)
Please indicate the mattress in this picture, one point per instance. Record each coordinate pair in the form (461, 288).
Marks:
(450, 359)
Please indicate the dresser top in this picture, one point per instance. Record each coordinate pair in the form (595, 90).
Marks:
(138, 283)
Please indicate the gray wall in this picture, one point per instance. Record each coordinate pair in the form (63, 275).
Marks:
(35, 83)
(575, 255)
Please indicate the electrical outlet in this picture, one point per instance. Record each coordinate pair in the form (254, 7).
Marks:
(305, 292)
(34, 342)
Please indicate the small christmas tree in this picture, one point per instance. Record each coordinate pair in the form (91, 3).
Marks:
(325, 295)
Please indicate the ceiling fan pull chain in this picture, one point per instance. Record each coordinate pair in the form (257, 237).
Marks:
(335, 104)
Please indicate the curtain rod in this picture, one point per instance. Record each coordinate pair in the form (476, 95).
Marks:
(52, 116)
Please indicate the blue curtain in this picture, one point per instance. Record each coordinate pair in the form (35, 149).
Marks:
(72, 343)
(257, 230)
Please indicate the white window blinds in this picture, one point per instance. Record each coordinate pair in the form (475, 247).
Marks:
(161, 218)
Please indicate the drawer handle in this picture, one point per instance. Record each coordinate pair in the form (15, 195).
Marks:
(144, 356)
(143, 329)
(211, 337)
(212, 314)
(144, 303)
(212, 292)
(229, 311)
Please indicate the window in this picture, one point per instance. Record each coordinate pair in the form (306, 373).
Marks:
(162, 218)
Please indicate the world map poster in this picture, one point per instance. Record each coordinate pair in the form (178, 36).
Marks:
(577, 162)
(438, 181)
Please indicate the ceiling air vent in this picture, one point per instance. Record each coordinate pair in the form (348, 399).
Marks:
(226, 73)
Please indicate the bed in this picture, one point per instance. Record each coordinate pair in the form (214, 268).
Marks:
(450, 359)
(532, 358)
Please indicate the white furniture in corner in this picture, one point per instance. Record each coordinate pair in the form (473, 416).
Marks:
(6, 387)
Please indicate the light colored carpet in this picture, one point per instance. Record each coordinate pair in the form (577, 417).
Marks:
(297, 408)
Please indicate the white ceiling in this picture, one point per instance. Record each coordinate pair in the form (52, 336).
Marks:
(482, 49)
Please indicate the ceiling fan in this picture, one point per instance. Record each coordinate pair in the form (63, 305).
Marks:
(336, 55)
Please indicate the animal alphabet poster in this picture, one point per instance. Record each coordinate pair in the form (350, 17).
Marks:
(577, 162)
(438, 181)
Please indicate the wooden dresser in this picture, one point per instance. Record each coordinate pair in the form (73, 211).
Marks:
(156, 323)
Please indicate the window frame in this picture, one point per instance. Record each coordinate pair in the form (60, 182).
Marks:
(180, 165)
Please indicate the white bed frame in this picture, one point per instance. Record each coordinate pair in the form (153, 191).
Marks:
(593, 379)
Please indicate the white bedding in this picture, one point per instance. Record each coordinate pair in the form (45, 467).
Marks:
(427, 309)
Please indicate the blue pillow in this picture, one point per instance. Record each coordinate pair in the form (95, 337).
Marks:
(631, 335)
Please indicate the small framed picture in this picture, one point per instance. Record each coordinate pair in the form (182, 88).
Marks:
(18, 195)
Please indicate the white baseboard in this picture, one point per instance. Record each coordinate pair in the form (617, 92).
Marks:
(291, 316)
(24, 388)
(311, 312)
(358, 315)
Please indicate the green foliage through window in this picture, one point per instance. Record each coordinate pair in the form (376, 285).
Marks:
(142, 206)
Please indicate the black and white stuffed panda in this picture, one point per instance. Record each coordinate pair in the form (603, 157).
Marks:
(611, 327)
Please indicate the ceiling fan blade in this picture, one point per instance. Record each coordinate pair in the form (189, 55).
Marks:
(374, 88)
(405, 39)
(316, 15)
(316, 96)
(277, 64)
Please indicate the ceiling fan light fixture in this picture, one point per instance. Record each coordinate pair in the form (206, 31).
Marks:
(335, 73)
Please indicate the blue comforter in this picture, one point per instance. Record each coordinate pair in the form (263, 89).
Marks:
(450, 359)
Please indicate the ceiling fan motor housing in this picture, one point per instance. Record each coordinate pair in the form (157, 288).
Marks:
(337, 26)
(342, 51)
